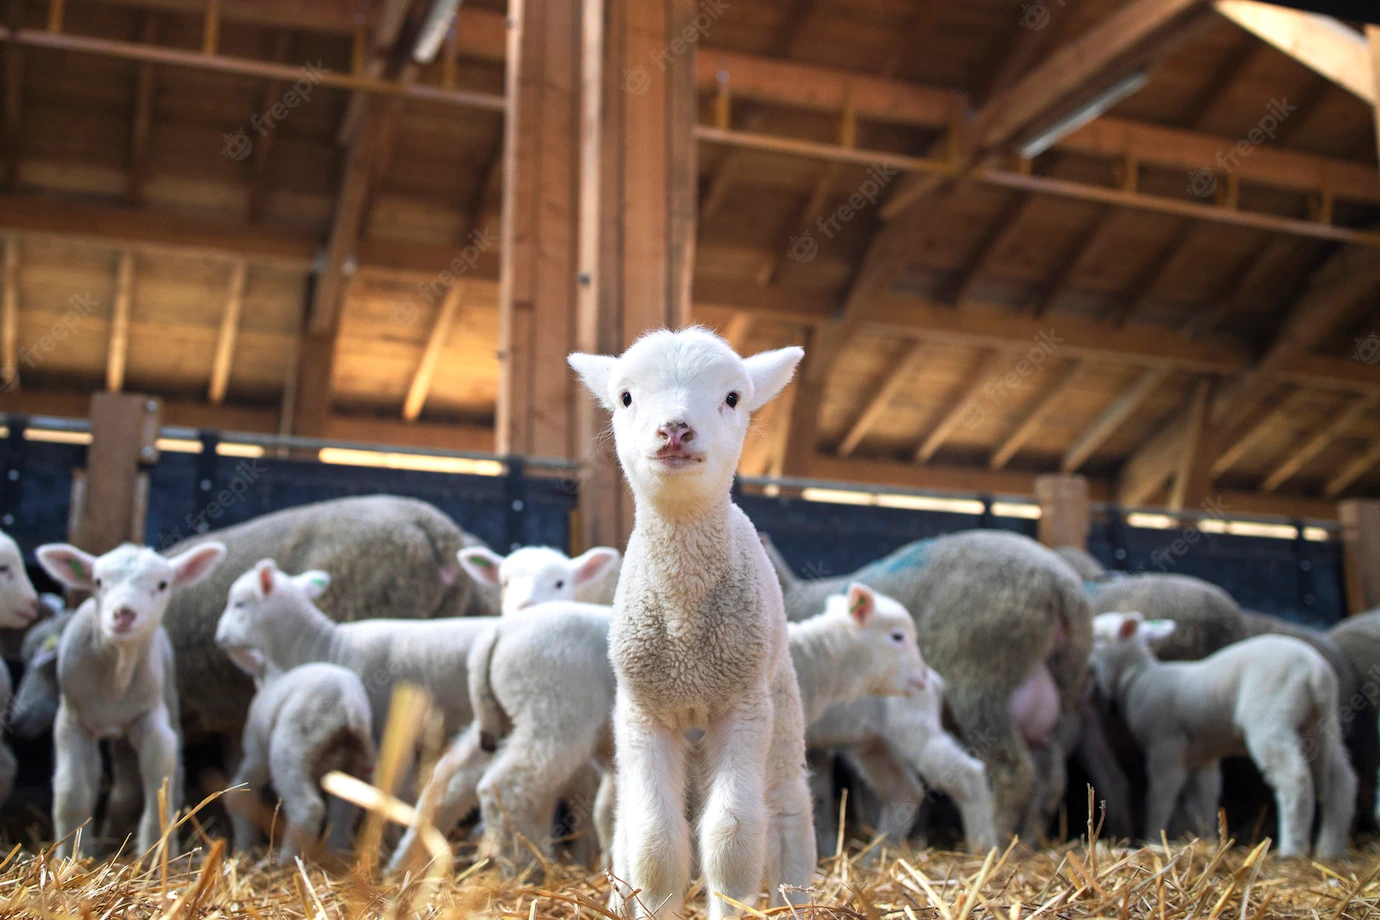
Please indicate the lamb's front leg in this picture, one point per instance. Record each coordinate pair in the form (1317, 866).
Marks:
(1164, 765)
(76, 782)
(733, 824)
(155, 741)
(652, 847)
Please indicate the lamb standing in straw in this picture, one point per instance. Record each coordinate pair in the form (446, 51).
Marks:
(698, 640)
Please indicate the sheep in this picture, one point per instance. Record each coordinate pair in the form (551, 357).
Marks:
(390, 555)
(302, 724)
(539, 574)
(115, 677)
(19, 604)
(1358, 639)
(277, 616)
(698, 639)
(1272, 697)
(992, 609)
(862, 643)
(1084, 564)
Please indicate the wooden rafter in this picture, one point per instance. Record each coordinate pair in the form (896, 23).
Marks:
(12, 103)
(1353, 471)
(1300, 455)
(1061, 281)
(145, 84)
(967, 406)
(229, 332)
(1251, 431)
(1192, 478)
(9, 315)
(737, 330)
(437, 338)
(1112, 418)
(1373, 43)
(897, 374)
(1240, 57)
(263, 143)
(998, 235)
(1318, 42)
(1036, 416)
(118, 349)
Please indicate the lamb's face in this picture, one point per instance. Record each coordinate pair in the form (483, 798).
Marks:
(537, 574)
(131, 585)
(887, 632)
(1118, 638)
(256, 598)
(681, 404)
(18, 599)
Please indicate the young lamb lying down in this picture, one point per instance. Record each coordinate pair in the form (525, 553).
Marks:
(302, 724)
(861, 644)
(290, 630)
(540, 574)
(698, 640)
(1272, 697)
(116, 678)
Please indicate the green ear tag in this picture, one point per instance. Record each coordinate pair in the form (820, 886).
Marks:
(862, 602)
(319, 582)
(49, 643)
(482, 562)
(77, 568)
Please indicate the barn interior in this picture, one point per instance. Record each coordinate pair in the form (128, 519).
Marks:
(1105, 273)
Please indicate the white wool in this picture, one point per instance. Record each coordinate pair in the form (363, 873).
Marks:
(1273, 698)
(116, 677)
(534, 575)
(18, 599)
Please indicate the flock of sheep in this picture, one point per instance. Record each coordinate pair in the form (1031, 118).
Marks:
(686, 710)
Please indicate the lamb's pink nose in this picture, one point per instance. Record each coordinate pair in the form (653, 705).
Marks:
(676, 433)
(124, 618)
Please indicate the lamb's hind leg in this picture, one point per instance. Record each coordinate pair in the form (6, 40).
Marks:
(1336, 788)
(518, 793)
(651, 835)
(733, 824)
(1278, 753)
(303, 804)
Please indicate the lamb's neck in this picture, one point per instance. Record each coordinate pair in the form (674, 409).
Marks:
(830, 667)
(301, 636)
(691, 535)
(1133, 664)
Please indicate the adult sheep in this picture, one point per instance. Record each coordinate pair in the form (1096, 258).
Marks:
(388, 557)
(1358, 638)
(994, 610)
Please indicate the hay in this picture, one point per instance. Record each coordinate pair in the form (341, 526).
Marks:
(1197, 880)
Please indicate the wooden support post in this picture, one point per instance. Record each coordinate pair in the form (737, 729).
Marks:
(9, 315)
(118, 351)
(124, 429)
(637, 210)
(1194, 473)
(1360, 520)
(1065, 516)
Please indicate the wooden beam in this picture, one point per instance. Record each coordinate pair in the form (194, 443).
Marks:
(9, 316)
(1036, 416)
(737, 331)
(1142, 288)
(796, 420)
(225, 339)
(1353, 471)
(124, 428)
(1239, 58)
(436, 341)
(1373, 44)
(118, 349)
(1193, 479)
(272, 91)
(12, 103)
(1061, 281)
(1300, 455)
(1112, 418)
(1315, 41)
(1253, 430)
(1324, 373)
(145, 85)
(346, 227)
(1065, 515)
(1137, 33)
(966, 408)
(998, 235)
(892, 380)
(1360, 520)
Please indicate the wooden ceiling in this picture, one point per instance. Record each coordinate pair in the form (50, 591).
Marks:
(1153, 299)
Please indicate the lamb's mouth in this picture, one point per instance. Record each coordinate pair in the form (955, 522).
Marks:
(676, 458)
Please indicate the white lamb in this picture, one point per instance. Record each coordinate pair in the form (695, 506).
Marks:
(540, 574)
(1272, 697)
(861, 644)
(302, 724)
(290, 630)
(19, 607)
(698, 640)
(116, 677)
(909, 732)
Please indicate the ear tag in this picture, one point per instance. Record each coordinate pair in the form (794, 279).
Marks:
(49, 643)
(319, 582)
(482, 562)
(858, 605)
(76, 568)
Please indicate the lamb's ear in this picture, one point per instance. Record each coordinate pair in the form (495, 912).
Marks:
(196, 563)
(69, 565)
(595, 371)
(770, 372)
(481, 563)
(1155, 630)
(1130, 624)
(265, 569)
(862, 603)
(594, 564)
(313, 583)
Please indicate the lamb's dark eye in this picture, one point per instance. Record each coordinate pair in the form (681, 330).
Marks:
(627, 399)
(162, 586)
(98, 582)
(4, 570)
(732, 400)
(898, 637)
(560, 585)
